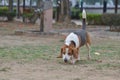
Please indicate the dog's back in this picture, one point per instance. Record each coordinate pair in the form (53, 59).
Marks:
(82, 35)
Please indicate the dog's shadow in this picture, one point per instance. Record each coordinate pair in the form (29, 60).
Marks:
(82, 62)
(91, 61)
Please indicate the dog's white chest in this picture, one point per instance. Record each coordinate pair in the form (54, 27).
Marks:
(72, 37)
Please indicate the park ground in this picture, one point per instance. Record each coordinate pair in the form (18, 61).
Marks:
(32, 56)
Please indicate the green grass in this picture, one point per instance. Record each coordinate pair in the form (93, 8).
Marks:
(108, 50)
(5, 69)
(112, 66)
(27, 52)
(109, 57)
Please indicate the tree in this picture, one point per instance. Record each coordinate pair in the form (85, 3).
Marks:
(116, 6)
(23, 9)
(18, 9)
(10, 13)
(67, 18)
(64, 11)
(31, 4)
(41, 16)
(10, 5)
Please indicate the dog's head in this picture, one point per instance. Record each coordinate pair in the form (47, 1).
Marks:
(69, 52)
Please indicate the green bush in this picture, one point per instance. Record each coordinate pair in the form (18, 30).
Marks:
(27, 15)
(4, 11)
(75, 13)
(94, 19)
(112, 20)
(10, 15)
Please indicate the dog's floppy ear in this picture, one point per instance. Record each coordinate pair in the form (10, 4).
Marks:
(61, 51)
(75, 52)
(72, 44)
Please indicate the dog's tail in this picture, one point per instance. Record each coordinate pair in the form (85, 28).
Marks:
(84, 19)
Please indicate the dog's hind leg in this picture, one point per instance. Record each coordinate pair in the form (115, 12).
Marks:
(88, 47)
(88, 43)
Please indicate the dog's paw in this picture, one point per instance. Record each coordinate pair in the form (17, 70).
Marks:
(73, 61)
(78, 59)
(89, 57)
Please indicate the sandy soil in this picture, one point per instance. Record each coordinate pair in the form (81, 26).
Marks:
(48, 69)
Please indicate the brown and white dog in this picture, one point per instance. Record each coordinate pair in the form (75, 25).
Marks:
(72, 44)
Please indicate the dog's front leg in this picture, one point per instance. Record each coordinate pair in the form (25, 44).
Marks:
(73, 60)
(78, 57)
(60, 56)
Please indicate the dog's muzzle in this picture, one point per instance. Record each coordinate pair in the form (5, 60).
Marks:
(65, 60)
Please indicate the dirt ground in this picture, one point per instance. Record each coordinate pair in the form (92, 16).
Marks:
(53, 69)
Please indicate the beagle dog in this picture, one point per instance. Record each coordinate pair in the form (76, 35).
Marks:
(72, 44)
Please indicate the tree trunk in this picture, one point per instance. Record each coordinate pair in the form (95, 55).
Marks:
(67, 19)
(10, 5)
(39, 5)
(23, 9)
(30, 4)
(42, 22)
(64, 15)
(23, 5)
(61, 9)
(18, 9)
(9, 16)
(116, 6)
